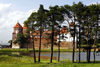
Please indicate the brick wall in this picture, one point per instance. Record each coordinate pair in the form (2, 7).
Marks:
(45, 44)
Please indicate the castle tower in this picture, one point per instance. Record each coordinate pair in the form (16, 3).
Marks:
(24, 28)
(17, 29)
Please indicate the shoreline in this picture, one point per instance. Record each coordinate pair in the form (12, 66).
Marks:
(42, 50)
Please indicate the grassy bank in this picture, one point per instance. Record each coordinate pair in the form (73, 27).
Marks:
(69, 64)
(21, 61)
(42, 50)
(26, 61)
(17, 60)
(30, 50)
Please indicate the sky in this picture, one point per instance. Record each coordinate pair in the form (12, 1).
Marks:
(13, 11)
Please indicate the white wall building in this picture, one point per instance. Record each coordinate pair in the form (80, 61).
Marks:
(66, 37)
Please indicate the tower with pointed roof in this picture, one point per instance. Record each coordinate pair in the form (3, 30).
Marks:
(17, 29)
(24, 28)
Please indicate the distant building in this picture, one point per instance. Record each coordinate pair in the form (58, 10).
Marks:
(45, 37)
(17, 29)
(5, 45)
(66, 37)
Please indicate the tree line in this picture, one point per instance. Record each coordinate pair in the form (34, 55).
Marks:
(84, 30)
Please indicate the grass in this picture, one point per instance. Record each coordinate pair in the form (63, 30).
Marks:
(17, 60)
(26, 61)
(21, 61)
(30, 50)
(69, 64)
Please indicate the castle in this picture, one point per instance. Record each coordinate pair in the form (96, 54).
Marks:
(65, 41)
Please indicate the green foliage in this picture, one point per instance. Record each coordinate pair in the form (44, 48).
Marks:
(22, 39)
(10, 41)
(85, 18)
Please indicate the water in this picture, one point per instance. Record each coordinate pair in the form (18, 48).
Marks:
(84, 56)
(63, 55)
(68, 55)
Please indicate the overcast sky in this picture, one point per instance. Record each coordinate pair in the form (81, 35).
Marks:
(12, 11)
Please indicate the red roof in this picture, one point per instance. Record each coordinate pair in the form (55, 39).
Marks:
(17, 26)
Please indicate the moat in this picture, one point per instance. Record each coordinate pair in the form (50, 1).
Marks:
(63, 55)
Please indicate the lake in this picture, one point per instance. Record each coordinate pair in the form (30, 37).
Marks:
(63, 55)
(68, 55)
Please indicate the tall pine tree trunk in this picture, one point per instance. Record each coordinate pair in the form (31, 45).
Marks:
(52, 42)
(40, 46)
(89, 45)
(89, 54)
(89, 48)
(79, 43)
(73, 45)
(59, 51)
(34, 50)
(94, 54)
(59, 47)
(94, 48)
